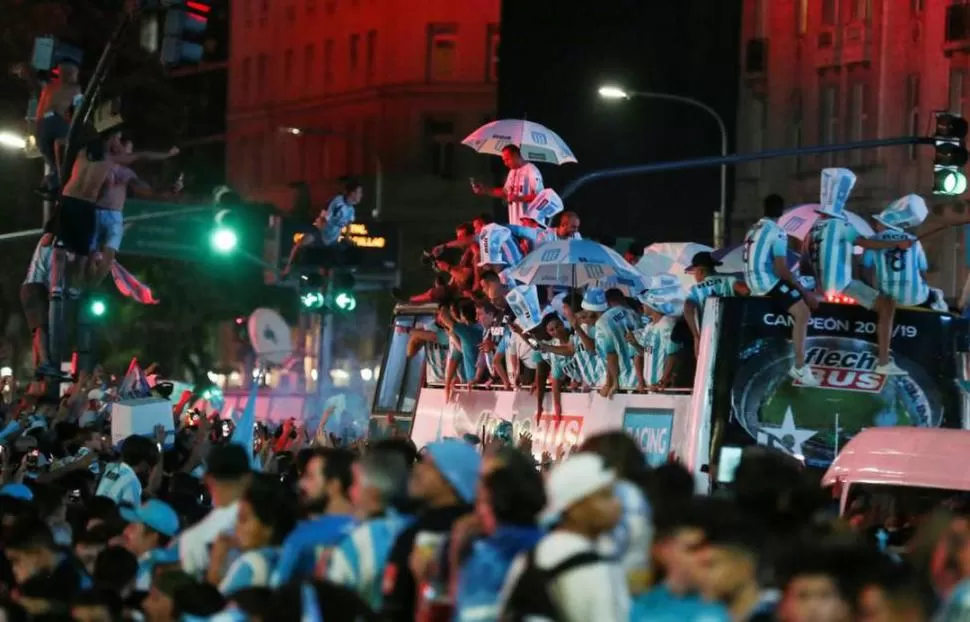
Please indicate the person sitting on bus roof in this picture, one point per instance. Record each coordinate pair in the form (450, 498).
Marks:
(709, 284)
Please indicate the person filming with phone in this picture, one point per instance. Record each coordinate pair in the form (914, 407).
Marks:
(522, 184)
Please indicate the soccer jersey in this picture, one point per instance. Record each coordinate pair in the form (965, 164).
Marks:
(436, 354)
(716, 286)
(762, 244)
(899, 273)
(655, 339)
(830, 243)
(610, 337)
(521, 181)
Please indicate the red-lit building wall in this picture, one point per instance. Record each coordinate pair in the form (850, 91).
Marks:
(835, 71)
(402, 80)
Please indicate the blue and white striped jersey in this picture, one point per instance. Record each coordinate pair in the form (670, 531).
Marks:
(830, 243)
(763, 242)
(899, 273)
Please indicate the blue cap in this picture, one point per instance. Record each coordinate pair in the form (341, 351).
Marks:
(17, 491)
(458, 463)
(595, 300)
(155, 514)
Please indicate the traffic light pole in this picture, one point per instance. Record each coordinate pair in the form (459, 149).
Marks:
(738, 158)
(325, 346)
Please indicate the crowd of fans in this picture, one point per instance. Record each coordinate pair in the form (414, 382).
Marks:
(300, 526)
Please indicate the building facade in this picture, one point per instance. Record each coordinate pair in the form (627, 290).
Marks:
(838, 71)
(394, 82)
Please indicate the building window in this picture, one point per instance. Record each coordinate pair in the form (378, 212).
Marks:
(801, 17)
(245, 78)
(311, 6)
(248, 13)
(860, 10)
(957, 90)
(756, 130)
(328, 62)
(368, 140)
(442, 51)
(912, 106)
(797, 131)
(916, 6)
(492, 41)
(439, 141)
(257, 177)
(263, 12)
(354, 53)
(858, 117)
(351, 144)
(287, 69)
(261, 64)
(830, 12)
(759, 18)
(371, 61)
(309, 56)
(828, 119)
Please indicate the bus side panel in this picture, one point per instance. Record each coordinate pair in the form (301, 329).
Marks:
(659, 422)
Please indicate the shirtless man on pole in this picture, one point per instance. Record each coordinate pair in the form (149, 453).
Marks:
(57, 97)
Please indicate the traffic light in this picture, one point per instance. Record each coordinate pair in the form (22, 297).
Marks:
(343, 292)
(184, 26)
(97, 307)
(224, 237)
(950, 154)
(312, 300)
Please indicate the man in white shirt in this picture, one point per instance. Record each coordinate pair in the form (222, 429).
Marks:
(522, 184)
(227, 476)
(122, 481)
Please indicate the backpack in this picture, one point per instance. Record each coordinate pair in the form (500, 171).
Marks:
(530, 599)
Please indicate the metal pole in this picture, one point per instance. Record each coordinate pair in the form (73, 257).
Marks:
(737, 158)
(690, 101)
(378, 187)
(27, 233)
(325, 346)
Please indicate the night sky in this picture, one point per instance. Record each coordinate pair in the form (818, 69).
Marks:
(553, 57)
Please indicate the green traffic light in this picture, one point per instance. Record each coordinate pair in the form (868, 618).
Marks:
(312, 300)
(345, 301)
(224, 240)
(98, 308)
(950, 182)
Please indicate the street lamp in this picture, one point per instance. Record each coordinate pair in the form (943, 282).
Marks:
(614, 93)
(12, 141)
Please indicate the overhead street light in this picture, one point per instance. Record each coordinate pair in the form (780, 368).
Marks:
(295, 131)
(613, 92)
(12, 141)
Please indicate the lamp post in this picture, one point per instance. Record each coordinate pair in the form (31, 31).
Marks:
(616, 93)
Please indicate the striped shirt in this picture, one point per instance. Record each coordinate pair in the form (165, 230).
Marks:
(712, 286)
(763, 242)
(830, 243)
(436, 354)
(590, 368)
(359, 560)
(120, 484)
(610, 337)
(899, 273)
(521, 181)
(657, 346)
(629, 543)
(251, 569)
(39, 268)
(499, 336)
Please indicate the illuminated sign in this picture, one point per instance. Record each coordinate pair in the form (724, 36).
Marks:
(357, 233)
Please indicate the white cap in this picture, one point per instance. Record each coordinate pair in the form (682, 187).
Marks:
(572, 480)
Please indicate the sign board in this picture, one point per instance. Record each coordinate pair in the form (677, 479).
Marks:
(184, 237)
(650, 428)
(378, 243)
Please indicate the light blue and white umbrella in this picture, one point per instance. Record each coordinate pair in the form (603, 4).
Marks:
(732, 259)
(630, 282)
(571, 263)
(536, 142)
(670, 258)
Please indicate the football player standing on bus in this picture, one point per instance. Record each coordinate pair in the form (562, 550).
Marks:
(523, 183)
(900, 270)
(612, 346)
(709, 284)
(766, 273)
(830, 246)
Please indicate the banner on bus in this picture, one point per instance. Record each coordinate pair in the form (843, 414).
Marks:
(767, 406)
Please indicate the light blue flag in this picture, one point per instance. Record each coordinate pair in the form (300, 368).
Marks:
(243, 433)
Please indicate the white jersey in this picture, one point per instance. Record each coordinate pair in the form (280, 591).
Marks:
(830, 244)
(763, 243)
(899, 273)
(521, 181)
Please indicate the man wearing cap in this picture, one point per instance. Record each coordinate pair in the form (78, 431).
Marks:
(150, 527)
(830, 244)
(581, 506)
(523, 183)
(709, 284)
(445, 482)
(899, 268)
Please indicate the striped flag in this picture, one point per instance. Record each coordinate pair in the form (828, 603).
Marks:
(130, 286)
(134, 384)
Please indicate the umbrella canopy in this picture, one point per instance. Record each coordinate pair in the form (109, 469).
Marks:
(571, 263)
(798, 221)
(536, 142)
(670, 258)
